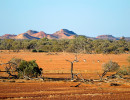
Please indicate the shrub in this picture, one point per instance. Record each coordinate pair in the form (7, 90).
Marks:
(124, 71)
(28, 68)
(110, 66)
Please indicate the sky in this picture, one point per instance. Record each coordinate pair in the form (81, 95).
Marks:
(84, 17)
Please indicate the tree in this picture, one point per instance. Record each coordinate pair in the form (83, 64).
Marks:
(17, 45)
(6, 44)
(71, 62)
(80, 44)
(11, 67)
(109, 67)
(64, 44)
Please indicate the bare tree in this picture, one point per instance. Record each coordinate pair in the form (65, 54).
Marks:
(71, 62)
(10, 68)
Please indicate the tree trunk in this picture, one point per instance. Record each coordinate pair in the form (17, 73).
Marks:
(72, 76)
(103, 74)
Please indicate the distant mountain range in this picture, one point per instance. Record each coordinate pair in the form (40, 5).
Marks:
(62, 34)
(110, 37)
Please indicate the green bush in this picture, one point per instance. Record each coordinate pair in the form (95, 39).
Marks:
(28, 68)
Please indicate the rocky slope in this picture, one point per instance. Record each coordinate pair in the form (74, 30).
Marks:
(61, 34)
(106, 37)
(8, 36)
(30, 34)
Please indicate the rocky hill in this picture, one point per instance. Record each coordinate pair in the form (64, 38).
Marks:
(107, 37)
(61, 34)
(8, 36)
(25, 36)
(40, 34)
(30, 34)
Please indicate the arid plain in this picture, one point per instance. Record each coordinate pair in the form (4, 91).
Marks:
(56, 67)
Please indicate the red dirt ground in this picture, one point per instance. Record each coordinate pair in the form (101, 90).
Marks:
(56, 66)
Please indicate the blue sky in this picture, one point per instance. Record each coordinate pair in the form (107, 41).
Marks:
(84, 17)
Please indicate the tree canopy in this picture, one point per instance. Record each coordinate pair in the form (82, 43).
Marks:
(80, 44)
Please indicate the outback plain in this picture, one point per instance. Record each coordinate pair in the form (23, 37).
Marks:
(56, 83)
(64, 50)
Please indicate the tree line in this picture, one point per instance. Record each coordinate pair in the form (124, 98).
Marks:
(80, 44)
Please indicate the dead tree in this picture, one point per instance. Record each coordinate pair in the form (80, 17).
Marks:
(71, 62)
(10, 68)
(79, 77)
(72, 76)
